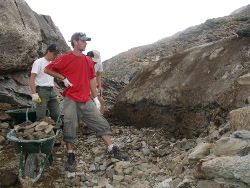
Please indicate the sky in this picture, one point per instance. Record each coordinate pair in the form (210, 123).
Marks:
(116, 26)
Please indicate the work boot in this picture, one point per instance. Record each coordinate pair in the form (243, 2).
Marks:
(86, 130)
(70, 164)
(116, 153)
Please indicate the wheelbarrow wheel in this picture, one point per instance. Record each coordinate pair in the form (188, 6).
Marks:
(31, 165)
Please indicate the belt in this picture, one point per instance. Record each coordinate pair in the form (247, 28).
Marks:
(45, 87)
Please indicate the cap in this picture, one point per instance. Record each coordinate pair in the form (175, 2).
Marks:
(80, 36)
(53, 48)
(95, 55)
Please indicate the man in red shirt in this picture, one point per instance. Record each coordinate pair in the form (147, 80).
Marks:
(78, 74)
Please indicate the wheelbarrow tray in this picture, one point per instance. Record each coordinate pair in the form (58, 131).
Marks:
(32, 146)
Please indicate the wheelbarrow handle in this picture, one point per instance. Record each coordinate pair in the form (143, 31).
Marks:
(22, 107)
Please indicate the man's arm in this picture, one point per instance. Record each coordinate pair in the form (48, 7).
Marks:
(98, 79)
(54, 74)
(57, 75)
(32, 82)
(94, 93)
(93, 87)
(35, 96)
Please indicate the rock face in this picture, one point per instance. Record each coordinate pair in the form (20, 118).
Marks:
(15, 90)
(24, 36)
(186, 91)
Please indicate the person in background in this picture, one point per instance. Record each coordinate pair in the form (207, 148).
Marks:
(95, 56)
(42, 86)
(77, 72)
(132, 74)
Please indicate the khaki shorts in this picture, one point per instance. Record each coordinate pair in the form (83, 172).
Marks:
(74, 111)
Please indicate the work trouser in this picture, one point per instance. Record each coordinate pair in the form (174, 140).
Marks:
(88, 112)
(48, 101)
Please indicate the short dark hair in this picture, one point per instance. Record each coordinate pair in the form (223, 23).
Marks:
(53, 48)
(90, 54)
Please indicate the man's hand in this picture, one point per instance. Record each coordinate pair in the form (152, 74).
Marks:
(58, 99)
(36, 98)
(67, 82)
(97, 103)
(99, 89)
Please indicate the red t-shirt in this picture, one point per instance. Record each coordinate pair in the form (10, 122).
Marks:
(79, 71)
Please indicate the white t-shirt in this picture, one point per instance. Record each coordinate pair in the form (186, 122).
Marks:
(98, 67)
(42, 79)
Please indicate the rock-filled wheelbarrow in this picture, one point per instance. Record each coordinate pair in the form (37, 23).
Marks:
(36, 154)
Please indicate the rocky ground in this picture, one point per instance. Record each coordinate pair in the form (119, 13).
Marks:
(154, 162)
(95, 168)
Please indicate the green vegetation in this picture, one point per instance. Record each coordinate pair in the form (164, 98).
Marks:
(242, 19)
(223, 22)
(105, 74)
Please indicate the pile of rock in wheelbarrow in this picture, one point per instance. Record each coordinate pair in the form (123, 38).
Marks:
(35, 131)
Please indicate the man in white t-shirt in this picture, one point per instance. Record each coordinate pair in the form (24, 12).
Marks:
(42, 86)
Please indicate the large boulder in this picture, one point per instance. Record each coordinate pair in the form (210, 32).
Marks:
(233, 168)
(187, 91)
(240, 118)
(24, 35)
